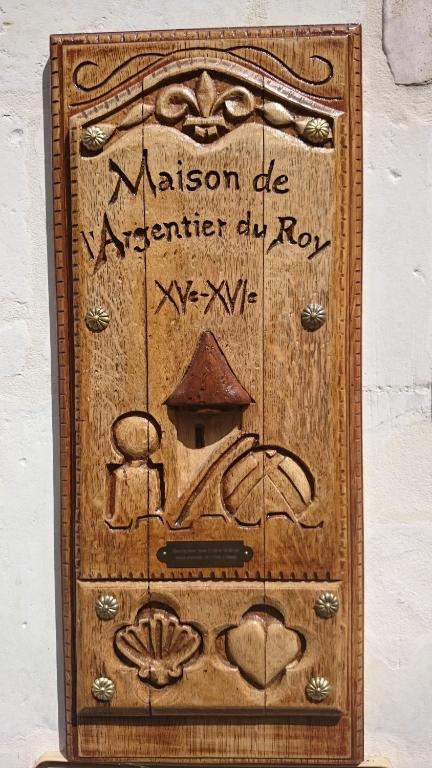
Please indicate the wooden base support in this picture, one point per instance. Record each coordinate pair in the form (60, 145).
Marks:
(56, 760)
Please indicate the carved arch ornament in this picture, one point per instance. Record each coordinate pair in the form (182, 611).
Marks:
(206, 98)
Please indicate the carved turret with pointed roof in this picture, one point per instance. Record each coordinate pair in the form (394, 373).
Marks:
(209, 383)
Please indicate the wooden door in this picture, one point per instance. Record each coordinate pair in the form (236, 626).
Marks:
(208, 236)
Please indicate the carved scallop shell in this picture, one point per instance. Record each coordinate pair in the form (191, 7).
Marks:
(159, 645)
(316, 130)
(318, 688)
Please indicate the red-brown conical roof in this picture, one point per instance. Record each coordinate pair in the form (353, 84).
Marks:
(209, 383)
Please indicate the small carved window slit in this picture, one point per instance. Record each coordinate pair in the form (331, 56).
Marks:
(199, 436)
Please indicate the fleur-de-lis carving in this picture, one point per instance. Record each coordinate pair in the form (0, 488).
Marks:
(208, 110)
(205, 111)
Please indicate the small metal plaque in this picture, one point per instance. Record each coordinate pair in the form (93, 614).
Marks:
(205, 554)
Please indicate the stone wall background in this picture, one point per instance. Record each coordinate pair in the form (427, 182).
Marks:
(397, 356)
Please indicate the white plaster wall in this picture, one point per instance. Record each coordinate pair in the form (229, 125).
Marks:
(397, 367)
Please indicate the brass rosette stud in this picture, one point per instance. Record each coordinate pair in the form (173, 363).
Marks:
(103, 689)
(97, 318)
(317, 689)
(317, 130)
(326, 605)
(106, 607)
(93, 138)
(313, 316)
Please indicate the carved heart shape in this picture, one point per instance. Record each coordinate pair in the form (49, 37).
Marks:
(246, 648)
(262, 651)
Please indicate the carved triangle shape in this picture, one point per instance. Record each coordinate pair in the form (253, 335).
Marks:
(209, 383)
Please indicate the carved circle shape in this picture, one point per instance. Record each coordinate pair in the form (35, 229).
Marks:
(103, 689)
(106, 607)
(94, 137)
(318, 688)
(97, 319)
(135, 436)
(317, 130)
(313, 317)
(326, 605)
(159, 645)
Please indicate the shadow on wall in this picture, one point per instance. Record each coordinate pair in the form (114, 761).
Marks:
(46, 96)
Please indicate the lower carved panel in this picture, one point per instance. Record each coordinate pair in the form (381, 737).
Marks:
(148, 649)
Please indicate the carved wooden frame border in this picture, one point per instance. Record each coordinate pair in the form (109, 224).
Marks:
(63, 270)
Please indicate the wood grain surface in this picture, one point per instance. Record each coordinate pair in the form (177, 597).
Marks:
(207, 194)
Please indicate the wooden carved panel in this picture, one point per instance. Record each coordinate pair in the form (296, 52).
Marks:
(207, 189)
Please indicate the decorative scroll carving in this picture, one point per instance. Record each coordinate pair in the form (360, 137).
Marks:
(322, 62)
(243, 53)
(262, 647)
(136, 485)
(159, 645)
